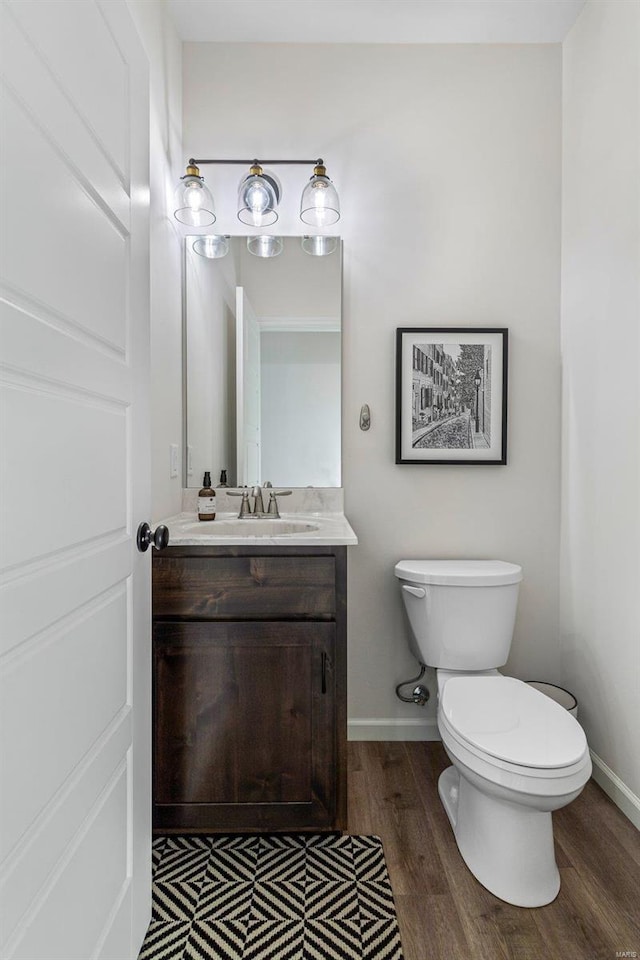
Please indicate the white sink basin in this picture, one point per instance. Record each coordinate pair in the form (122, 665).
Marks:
(292, 529)
(253, 528)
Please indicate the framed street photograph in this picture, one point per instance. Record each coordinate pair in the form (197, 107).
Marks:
(451, 395)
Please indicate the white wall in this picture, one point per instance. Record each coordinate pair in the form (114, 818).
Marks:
(447, 161)
(600, 614)
(293, 284)
(164, 51)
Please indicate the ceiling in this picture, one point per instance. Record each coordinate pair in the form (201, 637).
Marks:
(375, 21)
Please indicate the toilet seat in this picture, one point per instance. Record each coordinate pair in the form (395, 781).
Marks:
(572, 767)
(507, 720)
(532, 781)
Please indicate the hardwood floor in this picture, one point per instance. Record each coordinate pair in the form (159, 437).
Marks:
(445, 913)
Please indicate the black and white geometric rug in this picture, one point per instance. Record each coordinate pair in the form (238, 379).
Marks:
(276, 897)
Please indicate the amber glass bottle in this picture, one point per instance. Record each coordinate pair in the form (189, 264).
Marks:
(207, 500)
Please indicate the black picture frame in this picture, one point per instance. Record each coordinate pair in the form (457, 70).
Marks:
(451, 395)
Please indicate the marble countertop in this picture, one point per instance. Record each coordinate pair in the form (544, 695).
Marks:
(317, 529)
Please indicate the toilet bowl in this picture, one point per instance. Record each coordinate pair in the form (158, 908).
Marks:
(515, 760)
(516, 755)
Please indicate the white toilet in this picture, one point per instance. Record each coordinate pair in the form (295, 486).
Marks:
(517, 755)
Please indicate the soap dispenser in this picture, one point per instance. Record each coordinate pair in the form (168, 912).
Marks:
(207, 499)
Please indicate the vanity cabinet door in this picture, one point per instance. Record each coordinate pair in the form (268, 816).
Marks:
(244, 725)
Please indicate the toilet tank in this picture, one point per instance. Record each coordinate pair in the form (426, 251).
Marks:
(461, 612)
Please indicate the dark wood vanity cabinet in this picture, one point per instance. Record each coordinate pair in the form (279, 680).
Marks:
(249, 711)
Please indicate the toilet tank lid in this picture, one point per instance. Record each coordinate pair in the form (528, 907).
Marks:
(471, 573)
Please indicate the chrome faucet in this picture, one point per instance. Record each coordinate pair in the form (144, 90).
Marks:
(258, 505)
(258, 510)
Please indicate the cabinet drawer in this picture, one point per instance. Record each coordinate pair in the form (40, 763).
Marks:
(253, 588)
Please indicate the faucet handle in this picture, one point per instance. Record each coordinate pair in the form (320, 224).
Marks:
(272, 509)
(245, 506)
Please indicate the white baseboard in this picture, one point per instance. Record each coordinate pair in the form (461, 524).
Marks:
(392, 728)
(615, 788)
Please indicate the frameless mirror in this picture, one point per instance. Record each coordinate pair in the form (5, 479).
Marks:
(263, 362)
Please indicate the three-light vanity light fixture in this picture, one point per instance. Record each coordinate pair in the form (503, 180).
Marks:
(259, 194)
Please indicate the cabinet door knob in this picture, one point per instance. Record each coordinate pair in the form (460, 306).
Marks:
(146, 537)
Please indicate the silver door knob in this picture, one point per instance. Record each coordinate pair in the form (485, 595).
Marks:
(146, 537)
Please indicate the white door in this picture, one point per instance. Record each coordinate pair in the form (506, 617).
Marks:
(75, 630)
(247, 391)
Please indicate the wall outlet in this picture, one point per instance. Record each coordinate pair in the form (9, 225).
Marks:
(173, 460)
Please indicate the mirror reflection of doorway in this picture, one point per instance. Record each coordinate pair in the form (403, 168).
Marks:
(288, 399)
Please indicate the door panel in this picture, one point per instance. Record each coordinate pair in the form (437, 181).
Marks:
(75, 941)
(104, 106)
(79, 796)
(61, 432)
(74, 593)
(75, 255)
(30, 79)
(94, 643)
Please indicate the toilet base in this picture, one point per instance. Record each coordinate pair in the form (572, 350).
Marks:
(507, 847)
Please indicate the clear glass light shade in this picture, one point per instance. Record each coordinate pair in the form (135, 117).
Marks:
(320, 205)
(265, 246)
(194, 203)
(213, 247)
(319, 246)
(258, 197)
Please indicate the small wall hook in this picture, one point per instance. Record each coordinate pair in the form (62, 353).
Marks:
(365, 417)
